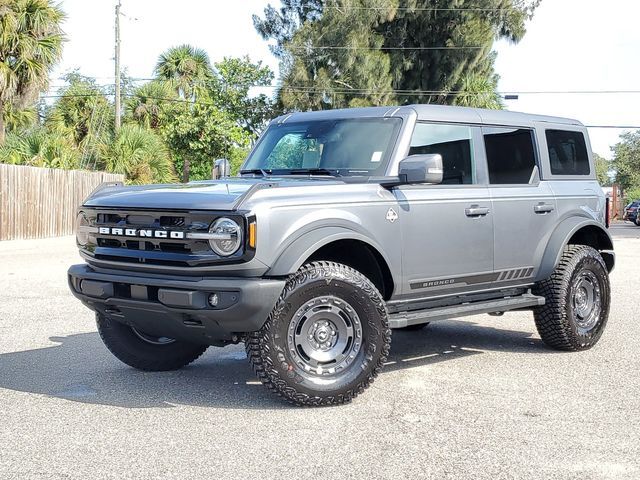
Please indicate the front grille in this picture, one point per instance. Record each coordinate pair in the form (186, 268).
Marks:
(182, 252)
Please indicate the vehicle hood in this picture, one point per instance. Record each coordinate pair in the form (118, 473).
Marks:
(208, 195)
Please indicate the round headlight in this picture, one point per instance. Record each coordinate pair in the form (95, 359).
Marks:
(82, 229)
(227, 237)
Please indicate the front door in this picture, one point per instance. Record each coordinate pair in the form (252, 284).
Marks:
(447, 229)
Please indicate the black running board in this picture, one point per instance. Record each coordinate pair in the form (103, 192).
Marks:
(405, 319)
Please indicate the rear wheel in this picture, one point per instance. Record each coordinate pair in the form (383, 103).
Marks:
(577, 300)
(143, 351)
(326, 339)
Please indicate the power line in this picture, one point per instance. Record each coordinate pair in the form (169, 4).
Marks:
(420, 9)
(347, 47)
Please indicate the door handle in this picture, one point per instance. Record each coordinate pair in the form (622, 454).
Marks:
(476, 211)
(543, 208)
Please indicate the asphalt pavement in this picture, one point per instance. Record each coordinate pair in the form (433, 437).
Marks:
(480, 398)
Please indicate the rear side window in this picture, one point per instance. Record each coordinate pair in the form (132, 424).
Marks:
(453, 142)
(511, 156)
(567, 153)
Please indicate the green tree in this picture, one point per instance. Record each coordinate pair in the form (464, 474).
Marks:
(603, 166)
(479, 91)
(390, 46)
(40, 148)
(231, 91)
(626, 160)
(189, 69)
(84, 113)
(139, 154)
(145, 104)
(186, 67)
(30, 45)
(200, 134)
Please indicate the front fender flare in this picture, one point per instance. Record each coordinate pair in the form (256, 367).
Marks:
(295, 253)
(560, 238)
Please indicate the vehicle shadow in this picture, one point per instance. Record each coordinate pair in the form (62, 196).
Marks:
(79, 368)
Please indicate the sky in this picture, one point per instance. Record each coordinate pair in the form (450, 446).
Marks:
(570, 45)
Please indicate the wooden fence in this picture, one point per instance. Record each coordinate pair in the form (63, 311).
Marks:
(42, 202)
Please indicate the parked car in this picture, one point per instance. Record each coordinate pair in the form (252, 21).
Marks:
(346, 224)
(631, 212)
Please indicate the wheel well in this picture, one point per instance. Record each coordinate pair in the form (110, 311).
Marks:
(361, 257)
(595, 237)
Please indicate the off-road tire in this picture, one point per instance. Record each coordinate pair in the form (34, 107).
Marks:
(276, 365)
(556, 321)
(129, 348)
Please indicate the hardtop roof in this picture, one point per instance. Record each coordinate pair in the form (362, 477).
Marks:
(433, 113)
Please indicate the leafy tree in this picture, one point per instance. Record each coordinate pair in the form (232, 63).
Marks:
(469, 34)
(139, 154)
(199, 134)
(81, 110)
(334, 52)
(30, 45)
(603, 166)
(145, 104)
(626, 160)
(40, 148)
(479, 91)
(231, 92)
(19, 119)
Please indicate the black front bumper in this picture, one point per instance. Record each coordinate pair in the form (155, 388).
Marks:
(178, 308)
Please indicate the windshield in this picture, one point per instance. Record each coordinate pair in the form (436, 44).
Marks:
(326, 147)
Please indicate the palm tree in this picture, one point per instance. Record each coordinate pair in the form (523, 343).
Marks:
(30, 45)
(140, 154)
(40, 148)
(144, 106)
(188, 68)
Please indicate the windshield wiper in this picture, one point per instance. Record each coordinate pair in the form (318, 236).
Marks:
(314, 171)
(257, 171)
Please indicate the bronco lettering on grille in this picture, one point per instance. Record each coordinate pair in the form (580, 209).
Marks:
(142, 233)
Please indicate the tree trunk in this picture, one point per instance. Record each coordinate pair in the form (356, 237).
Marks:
(185, 170)
(1, 123)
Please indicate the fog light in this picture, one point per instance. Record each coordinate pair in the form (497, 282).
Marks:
(213, 299)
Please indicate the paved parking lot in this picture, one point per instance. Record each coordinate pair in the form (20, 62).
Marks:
(478, 399)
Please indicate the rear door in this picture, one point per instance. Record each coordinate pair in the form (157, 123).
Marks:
(524, 208)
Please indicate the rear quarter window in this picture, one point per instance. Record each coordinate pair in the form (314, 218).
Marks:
(567, 153)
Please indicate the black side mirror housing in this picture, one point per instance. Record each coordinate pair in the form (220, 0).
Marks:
(421, 169)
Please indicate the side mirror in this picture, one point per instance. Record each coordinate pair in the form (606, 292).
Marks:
(421, 169)
(221, 169)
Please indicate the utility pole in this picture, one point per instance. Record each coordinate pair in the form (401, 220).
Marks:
(117, 101)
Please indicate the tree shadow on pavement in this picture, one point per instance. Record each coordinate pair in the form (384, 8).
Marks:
(81, 369)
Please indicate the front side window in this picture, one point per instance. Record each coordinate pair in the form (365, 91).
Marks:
(567, 153)
(454, 143)
(511, 156)
(343, 147)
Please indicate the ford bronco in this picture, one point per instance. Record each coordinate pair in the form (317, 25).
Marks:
(343, 225)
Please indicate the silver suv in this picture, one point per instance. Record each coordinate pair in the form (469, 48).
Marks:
(342, 226)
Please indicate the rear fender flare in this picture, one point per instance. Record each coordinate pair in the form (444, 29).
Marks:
(561, 237)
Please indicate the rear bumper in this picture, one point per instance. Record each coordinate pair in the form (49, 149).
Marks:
(178, 308)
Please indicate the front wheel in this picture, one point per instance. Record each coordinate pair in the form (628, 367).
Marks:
(326, 339)
(577, 300)
(143, 351)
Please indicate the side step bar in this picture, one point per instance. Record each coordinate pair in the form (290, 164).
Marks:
(404, 319)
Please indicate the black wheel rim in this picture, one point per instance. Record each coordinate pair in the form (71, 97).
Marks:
(324, 336)
(586, 300)
(151, 338)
